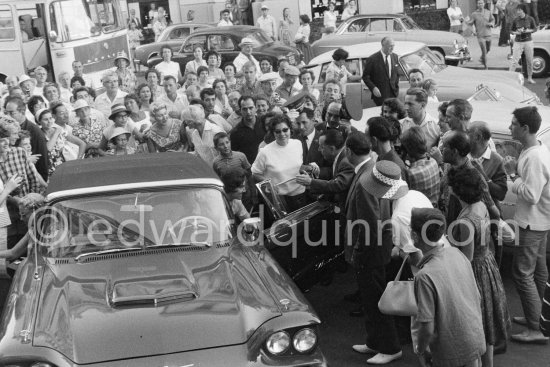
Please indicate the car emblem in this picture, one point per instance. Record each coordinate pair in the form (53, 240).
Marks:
(285, 302)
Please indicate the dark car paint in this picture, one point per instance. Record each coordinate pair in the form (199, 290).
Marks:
(273, 50)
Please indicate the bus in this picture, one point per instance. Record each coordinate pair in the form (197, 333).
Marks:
(54, 33)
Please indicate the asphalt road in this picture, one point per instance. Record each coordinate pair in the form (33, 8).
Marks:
(339, 331)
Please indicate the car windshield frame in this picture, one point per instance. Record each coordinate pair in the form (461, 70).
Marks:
(422, 59)
(135, 220)
(409, 23)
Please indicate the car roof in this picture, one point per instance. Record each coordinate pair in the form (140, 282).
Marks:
(390, 15)
(120, 172)
(184, 25)
(363, 50)
(233, 29)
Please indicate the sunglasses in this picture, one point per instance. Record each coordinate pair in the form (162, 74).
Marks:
(285, 130)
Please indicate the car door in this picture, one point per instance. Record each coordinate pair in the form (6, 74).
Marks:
(380, 28)
(176, 36)
(225, 44)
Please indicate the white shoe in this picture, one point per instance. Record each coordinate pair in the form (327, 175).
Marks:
(381, 358)
(363, 349)
(531, 81)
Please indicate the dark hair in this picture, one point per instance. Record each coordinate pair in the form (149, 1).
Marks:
(23, 134)
(522, 7)
(265, 58)
(55, 106)
(307, 71)
(443, 108)
(33, 101)
(233, 179)
(207, 92)
(198, 45)
(197, 101)
(309, 113)
(358, 143)
(421, 96)
(134, 97)
(4, 133)
(166, 47)
(305, 18)
(529, 116)
(280, 119)
(149, 71)
(21, 106)
(220, 136)
(230, 64)
(463, 108)
(261, 97)
(77, 79)
(459, 140)
(430, 220)
(170, 77)
(334, 138)
(381, 129)
(200, 69)
(415, 70)
(216, 81)
(466, 183)
(413, 142)
(88, 90)
(212, 52)
(269, 137)
(340, 54)
(42, 113)
(396, 106)
(245, 98)
(140, 87)
(225, 11)
(332, 81)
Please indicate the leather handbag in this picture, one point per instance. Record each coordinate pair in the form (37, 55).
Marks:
(398, 298)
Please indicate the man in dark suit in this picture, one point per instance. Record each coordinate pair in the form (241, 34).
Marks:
(310, 142)
(381, 73)
(134, 18)
(331, 146)
(370, 254)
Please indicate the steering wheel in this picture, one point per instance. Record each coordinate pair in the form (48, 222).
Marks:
(198, 221)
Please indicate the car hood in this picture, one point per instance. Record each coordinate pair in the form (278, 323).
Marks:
(104, 309)
(453, 80)
(435, 37)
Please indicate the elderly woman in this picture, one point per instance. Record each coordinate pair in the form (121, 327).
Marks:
(197, 61)
(164, 134)
(229, 71)
(119, 118)
(281, 161)
(57, 138)
(127, 76)
(167, 66)
(152, 77)
(138, 116)
(145, 96)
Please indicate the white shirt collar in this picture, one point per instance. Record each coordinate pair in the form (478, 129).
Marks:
(358, 167)
(310, 138)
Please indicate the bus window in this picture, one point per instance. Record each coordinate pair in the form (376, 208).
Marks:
(109, 19)
(7, 31)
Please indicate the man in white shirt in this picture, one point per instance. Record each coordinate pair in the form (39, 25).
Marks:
(112, 95)
(225, 21)
(267, 23)
(415, 105)
(175, 102)
(531, 176)
(201, 133)
(245, 55)
(78, 70)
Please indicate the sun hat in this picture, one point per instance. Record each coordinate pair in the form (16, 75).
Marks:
(384, 181)
(269, 76)
(116, 109)
(264, 7)
(25, 78)
(292, 70)
(80, 103)
(247, 41)
(122, 55)
(119, 131)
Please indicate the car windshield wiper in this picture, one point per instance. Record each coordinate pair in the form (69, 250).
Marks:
(110, 251)
(185, 244)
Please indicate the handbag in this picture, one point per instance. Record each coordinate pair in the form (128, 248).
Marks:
(398, 298)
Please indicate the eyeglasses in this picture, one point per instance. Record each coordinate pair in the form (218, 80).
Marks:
(285, 130)
(10, 113)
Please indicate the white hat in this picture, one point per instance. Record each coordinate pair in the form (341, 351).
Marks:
(269, 76)
(247, 41)
(264, 7)
(25, 78)
(80, 103)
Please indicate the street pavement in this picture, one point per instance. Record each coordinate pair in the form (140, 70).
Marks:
(497, 58)
(339, 331)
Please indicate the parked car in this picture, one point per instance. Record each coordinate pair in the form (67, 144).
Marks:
(137, 261)
(541, 58)
(498, 115)
(449, 47)
(226, 41)
(172, 36)
(452, 82)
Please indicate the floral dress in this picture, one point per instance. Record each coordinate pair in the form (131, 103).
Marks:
(128, 80)
(55, 156)
(166, 143)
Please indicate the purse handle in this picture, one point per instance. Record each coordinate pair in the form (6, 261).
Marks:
(401, 268)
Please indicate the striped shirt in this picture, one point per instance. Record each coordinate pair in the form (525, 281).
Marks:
(222, 165)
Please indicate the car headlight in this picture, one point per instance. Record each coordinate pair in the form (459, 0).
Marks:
(304, 340)
(521, 79)
(278, 343)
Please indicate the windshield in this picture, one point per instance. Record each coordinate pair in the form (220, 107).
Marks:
(134, 221)
(424, 60)
(409, 23)
(73, 20)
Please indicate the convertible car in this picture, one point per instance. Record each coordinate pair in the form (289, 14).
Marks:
(137, 261)
(452, 82)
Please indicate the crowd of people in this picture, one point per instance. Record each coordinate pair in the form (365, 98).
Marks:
(251, 123)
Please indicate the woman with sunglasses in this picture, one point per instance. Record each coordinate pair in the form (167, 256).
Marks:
(280, 161)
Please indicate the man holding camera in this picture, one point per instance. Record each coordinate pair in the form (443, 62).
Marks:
(522, 27)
